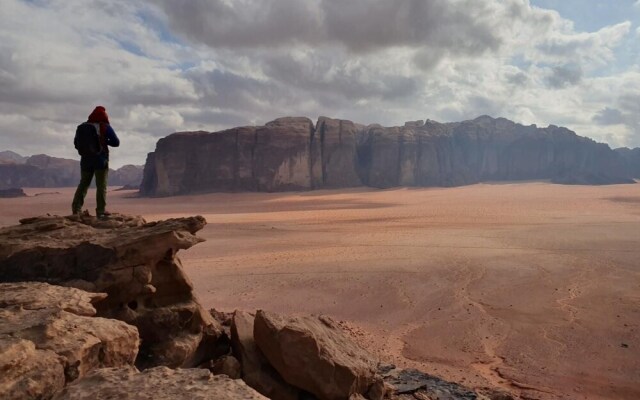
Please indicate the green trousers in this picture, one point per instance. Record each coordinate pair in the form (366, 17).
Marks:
(101, 193)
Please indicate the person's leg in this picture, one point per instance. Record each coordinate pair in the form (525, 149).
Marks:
(78, 199)
(101, 190)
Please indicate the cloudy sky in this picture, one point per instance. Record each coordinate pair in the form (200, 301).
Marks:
(168, 65)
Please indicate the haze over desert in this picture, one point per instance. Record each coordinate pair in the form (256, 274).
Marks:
(531, 287)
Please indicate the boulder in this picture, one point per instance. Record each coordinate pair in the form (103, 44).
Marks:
(48, 337)
(312, 353)
(256, 370)
(27, 372)
(135, 263)
(157, 384)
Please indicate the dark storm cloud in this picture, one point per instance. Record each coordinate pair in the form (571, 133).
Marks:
(564, 76)
(629, 104)
(359, 25)
(627, 113)
(228, 90)
(323, 74)
(517, 78)
(608, 116)
(151, 94)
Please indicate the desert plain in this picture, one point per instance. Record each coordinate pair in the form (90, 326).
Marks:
(530, 287)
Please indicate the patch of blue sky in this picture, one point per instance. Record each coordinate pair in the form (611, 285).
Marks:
(185, 65)
(593, 15)
(129, 46)
(156, 23)
(521, 62)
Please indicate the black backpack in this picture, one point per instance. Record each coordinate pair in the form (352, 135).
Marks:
(87, 140)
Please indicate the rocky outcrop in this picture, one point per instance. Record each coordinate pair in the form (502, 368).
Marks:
(631, 158)
(135, 263)
(312, 353)
(158, 383)
(292, 154)
(44, 171)
(49, 336)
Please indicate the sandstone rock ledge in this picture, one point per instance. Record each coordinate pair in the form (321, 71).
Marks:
(132, 261)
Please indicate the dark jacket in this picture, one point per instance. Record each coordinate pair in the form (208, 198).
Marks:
(101, 160)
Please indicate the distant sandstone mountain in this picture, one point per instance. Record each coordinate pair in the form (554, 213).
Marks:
(293, 154)
(632, 159)
(45, 171)
(9, 157)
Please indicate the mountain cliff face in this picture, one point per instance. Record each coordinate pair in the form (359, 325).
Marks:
(45, 171)
(632, 160)
(293, 154)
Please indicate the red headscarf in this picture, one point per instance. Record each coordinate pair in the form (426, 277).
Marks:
(99, 116)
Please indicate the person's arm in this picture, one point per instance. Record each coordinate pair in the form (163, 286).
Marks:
(112, 138)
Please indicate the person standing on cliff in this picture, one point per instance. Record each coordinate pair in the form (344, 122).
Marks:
(92, 140)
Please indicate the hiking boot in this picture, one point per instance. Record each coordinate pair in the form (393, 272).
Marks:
(104, 215)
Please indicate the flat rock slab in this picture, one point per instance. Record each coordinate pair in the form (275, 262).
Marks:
(312, 353)
(157, 384)
(39, 296)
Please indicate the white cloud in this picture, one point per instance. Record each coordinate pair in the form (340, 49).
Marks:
(166, 66)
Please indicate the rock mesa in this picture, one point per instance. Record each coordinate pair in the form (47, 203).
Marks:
(294, 154)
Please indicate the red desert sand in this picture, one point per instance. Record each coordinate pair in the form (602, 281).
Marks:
(530, 287)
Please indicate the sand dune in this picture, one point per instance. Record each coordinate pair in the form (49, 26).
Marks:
(531, 287)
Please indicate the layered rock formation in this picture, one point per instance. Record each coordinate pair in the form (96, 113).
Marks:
(292, 154)
(135, 263)
(43, 171)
